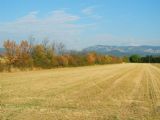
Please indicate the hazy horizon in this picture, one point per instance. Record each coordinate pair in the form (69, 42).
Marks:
(80, 24)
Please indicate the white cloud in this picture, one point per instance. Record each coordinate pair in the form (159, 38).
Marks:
(88, 10)
(58, 25)
(31, 17)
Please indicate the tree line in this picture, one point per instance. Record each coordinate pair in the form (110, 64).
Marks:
(26, 55)
(144, 59)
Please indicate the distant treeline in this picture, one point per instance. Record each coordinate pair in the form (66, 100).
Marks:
(27, 55)
(146, 59)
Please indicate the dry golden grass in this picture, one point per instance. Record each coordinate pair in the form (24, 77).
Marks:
(157, 65)
(109, 92)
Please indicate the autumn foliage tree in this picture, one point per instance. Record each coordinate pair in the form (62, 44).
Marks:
(10, 52)
(91, 58)
(23, 55)
(18, 55)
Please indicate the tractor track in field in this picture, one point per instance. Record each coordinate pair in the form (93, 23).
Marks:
(109, 92)
(129, 105)
(105, 83)
(154, 91)
(146, 90)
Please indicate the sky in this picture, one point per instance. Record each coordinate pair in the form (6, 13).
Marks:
(82, 23)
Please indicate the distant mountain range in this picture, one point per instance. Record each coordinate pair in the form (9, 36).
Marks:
(124, 50)
(2, 50)
(119, 50)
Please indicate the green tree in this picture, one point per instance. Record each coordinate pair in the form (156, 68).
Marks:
(135, 58)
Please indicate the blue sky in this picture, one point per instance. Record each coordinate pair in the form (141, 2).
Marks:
(82, 23)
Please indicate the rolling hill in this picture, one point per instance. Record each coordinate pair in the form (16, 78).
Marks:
(2, 50)
(124, 50)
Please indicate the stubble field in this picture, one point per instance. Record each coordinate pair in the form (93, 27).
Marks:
(107, 92)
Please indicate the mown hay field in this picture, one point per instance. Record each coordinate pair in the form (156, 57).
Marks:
(102, 92)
